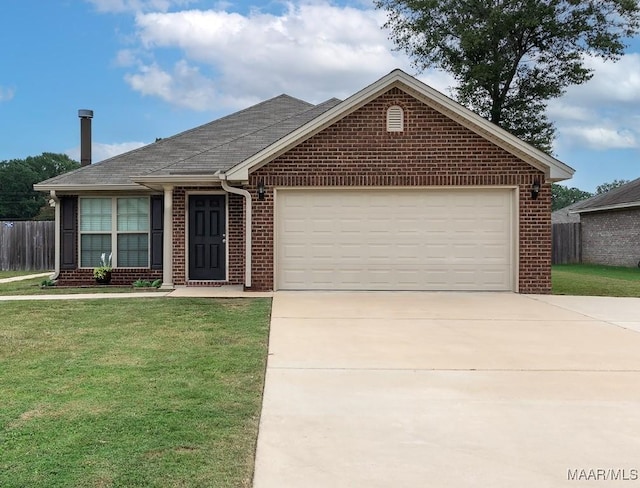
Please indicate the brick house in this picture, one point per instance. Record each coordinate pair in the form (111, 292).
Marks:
(397, 187)
(610, 226)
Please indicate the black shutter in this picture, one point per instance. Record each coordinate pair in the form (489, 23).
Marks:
(68, 232)
(157, 221)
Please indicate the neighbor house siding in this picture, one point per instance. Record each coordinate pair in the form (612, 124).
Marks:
(432, 150)
(611, 238)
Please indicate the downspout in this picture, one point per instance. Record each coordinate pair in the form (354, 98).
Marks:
(247, 225)
(56, 233)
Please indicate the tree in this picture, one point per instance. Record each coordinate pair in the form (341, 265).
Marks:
(509, 57)
(18, 199)
(562, 196)
(605, 187)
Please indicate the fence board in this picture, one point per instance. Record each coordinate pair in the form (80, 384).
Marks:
(27, 245)
(567, 243)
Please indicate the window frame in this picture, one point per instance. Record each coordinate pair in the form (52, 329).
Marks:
(114, 232)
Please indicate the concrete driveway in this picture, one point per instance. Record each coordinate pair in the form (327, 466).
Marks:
(450, 390)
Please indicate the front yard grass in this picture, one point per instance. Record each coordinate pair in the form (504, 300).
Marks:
(595, 280)
(131, 393)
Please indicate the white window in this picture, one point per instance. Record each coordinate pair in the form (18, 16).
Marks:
(395, 119)
(116, 226)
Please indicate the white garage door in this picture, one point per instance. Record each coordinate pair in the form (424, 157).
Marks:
(395, 239)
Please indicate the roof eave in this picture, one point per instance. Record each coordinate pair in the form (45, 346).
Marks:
(553, 169)
(78, 188)
(619, 206)
(158, 182)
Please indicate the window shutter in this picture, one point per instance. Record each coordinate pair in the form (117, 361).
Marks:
(157, 221)
(68, 234)
(395, 119)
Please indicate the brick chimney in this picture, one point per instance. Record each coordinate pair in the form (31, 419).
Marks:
(85, 136)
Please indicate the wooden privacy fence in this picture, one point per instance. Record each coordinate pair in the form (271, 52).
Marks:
(27, 245)
(567, 244)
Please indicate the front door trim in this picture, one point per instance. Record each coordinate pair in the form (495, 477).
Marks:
(188, 195)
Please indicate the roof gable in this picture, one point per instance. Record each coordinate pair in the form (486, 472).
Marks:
(554, 169)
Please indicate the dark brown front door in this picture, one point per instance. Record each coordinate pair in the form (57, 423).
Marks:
(207, 237)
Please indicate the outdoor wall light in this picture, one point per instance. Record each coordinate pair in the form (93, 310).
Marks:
(261, 190)
(535, 189)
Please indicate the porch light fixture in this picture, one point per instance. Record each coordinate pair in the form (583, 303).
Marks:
(261, 190)
(535, 189)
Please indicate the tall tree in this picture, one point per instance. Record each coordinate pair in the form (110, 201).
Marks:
(563, 196)
(18, 199)
(605, 187)
(509, 57)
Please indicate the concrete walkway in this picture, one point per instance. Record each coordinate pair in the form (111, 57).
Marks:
(180, 292)
(25, 277)
(450, 390)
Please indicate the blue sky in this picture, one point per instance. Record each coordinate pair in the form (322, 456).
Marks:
(153, 68)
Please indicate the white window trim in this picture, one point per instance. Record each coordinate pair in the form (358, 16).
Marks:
(114, 232)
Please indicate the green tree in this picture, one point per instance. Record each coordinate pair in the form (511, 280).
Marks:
(605, 187)
(562, 196)
(18, 199)
(509, 57)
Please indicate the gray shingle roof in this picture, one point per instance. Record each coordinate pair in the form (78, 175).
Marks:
(625, 195)
(216, 146)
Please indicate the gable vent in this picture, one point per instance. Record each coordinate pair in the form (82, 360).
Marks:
(395, 119)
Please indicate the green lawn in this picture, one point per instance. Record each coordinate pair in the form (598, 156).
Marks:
(594, 280)
(131, 392)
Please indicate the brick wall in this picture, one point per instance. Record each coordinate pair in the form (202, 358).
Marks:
(432, 151)
(611, 238)
(119, 276)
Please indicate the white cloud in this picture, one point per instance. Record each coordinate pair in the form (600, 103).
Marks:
(617, 82)
(595, 137)
(125, 58)
(101, 151)
(313, 51)
(6, 94)
(602, 113)
(184, 86)
(118, 6)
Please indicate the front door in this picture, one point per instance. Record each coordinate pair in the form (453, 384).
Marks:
(207, 237)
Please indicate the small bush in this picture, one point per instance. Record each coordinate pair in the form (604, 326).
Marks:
(142, 284)
(147, 284)
(47, 283)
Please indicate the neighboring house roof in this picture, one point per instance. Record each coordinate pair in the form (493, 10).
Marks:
(241, 142)
(625, 196)
(566, 215)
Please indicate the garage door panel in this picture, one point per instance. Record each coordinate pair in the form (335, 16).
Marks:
(401, 239)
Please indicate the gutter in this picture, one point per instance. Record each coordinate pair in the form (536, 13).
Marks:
(56, 259)
(247, 225)
(617, 206)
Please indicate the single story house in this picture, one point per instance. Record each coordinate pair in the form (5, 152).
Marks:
(610, 226)
(397, 187)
